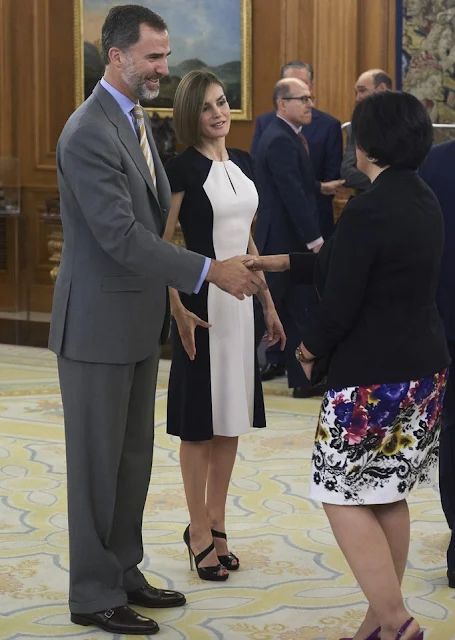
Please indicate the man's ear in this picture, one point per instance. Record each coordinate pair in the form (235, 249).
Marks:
(115, 56)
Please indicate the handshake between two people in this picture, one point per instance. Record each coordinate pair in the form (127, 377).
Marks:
(238, 276)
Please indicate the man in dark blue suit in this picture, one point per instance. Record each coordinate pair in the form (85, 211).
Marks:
(325, 143)
(287, 217)
(437, 171)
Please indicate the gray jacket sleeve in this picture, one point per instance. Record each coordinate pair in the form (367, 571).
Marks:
(91, 165)
(355, 179)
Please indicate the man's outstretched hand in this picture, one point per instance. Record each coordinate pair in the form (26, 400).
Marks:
(236, 276)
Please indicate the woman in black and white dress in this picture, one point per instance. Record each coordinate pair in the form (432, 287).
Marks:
(215, 393)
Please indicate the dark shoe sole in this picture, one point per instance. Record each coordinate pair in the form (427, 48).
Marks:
(85, 622)
(177, 603)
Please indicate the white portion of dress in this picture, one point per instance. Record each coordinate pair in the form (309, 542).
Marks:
(234, 201)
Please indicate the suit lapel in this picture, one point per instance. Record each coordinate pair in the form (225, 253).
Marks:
(127, 136)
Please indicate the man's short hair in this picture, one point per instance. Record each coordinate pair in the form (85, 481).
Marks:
(382, 77)
(189, 102)
(122, 27)
(296, 64)
(394, 128)
(281, 90)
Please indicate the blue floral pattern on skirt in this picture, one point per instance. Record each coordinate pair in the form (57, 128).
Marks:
(375, 443)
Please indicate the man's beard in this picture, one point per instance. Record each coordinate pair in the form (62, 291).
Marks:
(137, 83)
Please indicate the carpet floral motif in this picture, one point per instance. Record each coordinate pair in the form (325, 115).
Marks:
(293, 583)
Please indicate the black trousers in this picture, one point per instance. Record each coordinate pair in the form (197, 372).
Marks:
(447, 458)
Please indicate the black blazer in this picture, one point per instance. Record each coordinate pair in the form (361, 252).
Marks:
(287, 216)
(377, 278)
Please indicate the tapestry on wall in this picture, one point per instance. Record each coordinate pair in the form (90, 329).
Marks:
(426, 54)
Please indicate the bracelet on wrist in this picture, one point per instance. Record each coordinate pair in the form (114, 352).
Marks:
(301, 358)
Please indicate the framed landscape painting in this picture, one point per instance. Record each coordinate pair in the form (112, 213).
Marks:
(210, 34)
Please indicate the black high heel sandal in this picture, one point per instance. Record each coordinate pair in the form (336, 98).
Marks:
(205, 573)
(226, 561)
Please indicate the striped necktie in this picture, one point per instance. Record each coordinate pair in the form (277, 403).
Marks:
(142, 134)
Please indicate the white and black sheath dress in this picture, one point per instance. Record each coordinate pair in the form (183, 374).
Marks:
(219, 393)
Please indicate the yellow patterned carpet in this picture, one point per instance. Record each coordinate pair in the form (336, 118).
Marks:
(293, 585)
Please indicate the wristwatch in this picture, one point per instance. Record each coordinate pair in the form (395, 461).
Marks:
(301, 358)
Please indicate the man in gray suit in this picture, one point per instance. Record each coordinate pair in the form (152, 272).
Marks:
(108, 315)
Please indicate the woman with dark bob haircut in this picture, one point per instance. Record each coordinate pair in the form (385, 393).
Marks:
(378, 339)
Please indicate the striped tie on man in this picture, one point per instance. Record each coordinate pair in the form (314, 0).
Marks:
(139, 116)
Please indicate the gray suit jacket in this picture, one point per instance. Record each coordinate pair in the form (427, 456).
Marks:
(355, 179)
(110, 295)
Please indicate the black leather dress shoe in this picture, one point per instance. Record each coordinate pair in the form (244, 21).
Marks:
(118, 620)
(271, 371)
(451, 577)
(155, 598)
(309, 392)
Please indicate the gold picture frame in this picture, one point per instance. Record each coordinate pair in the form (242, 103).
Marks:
(244, 110)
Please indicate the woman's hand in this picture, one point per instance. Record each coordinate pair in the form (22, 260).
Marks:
(272, 263)
(186, 324)
(275, 332)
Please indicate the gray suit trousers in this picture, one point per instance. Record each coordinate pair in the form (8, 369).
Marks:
(109, 430)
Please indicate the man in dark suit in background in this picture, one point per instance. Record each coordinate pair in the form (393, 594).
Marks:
(437, 171)
(367, 83)
(287, 216)
(325, 143)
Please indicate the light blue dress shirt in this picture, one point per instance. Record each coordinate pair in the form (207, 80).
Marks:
(127, 106)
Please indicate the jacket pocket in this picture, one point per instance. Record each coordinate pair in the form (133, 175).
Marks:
(112, 284)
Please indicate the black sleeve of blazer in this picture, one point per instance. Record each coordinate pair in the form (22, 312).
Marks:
(302, 267)
(349, 254)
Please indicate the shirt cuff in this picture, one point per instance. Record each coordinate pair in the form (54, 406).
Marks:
(316, 243)
(204, 272)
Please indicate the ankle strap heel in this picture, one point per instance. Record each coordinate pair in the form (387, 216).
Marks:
(402, 630)
(230, 561)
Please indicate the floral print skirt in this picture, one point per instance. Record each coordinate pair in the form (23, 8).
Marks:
(375, 443)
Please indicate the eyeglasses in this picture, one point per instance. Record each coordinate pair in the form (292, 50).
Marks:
(303, 99)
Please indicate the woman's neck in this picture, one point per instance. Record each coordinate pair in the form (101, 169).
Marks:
(214, 149)
(374, 171)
